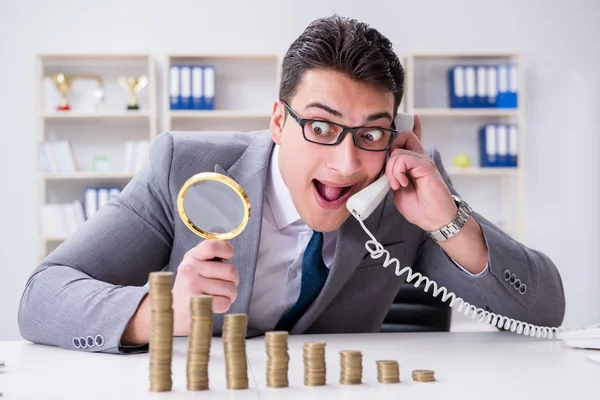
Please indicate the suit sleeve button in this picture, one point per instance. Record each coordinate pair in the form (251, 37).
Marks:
(523, 289)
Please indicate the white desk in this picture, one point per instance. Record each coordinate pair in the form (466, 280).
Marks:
(467, 366)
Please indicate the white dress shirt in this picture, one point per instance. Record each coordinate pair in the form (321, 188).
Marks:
(284, 237)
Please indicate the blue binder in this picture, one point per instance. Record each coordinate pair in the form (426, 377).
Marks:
(456, 87)
(488, 146)
(492, 86)
(197, 88)
(503, 96)
(185, 87)
(209, 88)
(470, 86)
(502, 136)
(513, 86)
(174, 87)
(513, 145)
(482, 100)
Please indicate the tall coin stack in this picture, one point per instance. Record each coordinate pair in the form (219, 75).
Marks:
(351, 367)
(314, 364)
(234, 343)
(388, 371)
(161, 333)
(199, 342)
(277, 358)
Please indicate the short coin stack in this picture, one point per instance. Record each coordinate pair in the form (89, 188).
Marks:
(388, 371)
(277, 359)
(161, 334)
(234, 343)
(351, 367)
(199, 342)
(314, 364)
(423, 375)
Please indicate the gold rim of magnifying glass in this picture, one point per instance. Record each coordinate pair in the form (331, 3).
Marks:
(214, 176)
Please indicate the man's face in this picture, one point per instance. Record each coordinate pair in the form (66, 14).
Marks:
(321, 178)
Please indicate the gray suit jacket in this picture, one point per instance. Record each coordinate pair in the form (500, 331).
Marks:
(92, 284)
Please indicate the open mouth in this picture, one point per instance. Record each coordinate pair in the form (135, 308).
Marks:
(332, 195)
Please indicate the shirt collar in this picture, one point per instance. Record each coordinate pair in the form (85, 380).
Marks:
(278, 195)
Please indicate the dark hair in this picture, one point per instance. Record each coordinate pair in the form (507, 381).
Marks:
(347, 46)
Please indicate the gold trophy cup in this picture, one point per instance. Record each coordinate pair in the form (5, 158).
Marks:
(134, 85)
(63, 84)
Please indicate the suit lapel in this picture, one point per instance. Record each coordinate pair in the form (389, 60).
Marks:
(349, 252)
(250, 172)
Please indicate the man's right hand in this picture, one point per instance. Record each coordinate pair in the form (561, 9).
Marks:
(198, 274)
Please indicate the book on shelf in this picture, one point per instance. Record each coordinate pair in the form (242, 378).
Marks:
(61, 220)
(57, 157)
(136, 155)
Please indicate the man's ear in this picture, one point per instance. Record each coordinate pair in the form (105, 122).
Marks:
(277, 122)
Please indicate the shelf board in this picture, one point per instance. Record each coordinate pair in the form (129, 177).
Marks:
(95, 115)
(87, 175)
(465, 112)
(468, 54)
(238, 56)
(218, 114)
(482, 171)
(55, 238)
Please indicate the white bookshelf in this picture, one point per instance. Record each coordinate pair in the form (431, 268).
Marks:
(496, 192)
(91, 128)
(246, 85)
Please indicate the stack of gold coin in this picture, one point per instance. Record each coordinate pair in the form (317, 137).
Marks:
(199, 342)
(277, 359)
(161, 333)
(388, 371)
(351, 367)
(423, 375)
(234, 343)
(314, 364)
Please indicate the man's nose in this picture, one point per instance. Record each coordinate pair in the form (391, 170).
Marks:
(345, 158)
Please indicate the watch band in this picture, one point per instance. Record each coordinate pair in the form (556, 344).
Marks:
(452, 228)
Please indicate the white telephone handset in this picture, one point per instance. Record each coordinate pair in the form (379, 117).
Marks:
(363, 203)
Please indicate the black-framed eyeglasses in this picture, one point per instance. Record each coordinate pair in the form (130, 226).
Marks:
(326, 133)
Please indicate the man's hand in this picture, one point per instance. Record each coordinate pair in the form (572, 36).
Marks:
(423, 198)
(420, 193)
(197, 275)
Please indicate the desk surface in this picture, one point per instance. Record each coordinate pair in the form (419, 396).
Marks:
(481, 365)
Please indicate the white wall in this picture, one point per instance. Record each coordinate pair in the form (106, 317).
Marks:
(558, 40)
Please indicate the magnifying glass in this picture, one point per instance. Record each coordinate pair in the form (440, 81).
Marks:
(213, 206)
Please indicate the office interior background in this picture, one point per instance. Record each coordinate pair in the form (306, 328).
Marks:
(551, 201)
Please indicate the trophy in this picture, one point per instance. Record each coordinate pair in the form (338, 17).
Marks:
(63, 84)
(134, 85)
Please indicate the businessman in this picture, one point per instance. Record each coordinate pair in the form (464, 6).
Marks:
(301, 264)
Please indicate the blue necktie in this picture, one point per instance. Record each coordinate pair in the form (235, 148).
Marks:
(314, 275)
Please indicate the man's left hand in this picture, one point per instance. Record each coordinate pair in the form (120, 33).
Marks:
(420, 193)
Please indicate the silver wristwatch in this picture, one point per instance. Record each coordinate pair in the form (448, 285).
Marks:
(452, 228)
